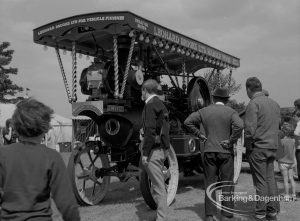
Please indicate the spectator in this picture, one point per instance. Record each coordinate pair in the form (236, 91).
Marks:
(287, 160)
(297, 105)
(223, 127)
(262, 120)
(297, 142)
(156, 143)
(9, 135)
(30, 172)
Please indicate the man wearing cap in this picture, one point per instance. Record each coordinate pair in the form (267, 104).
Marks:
(262, 120)
(223, 127)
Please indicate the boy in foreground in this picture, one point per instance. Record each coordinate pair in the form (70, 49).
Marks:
(30, 172)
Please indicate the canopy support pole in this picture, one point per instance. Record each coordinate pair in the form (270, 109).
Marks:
(127, 66)
(183, 75)
(74, 72)
(63, 75)
(116, 66)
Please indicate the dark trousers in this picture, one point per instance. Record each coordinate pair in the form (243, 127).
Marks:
(219, 167)
(262, 167)
(154, 169)
(298, 162)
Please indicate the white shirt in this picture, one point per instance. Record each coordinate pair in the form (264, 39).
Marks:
(149, 98)
(297, 130)
(297, 133)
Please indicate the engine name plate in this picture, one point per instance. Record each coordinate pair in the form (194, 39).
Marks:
(115, 108)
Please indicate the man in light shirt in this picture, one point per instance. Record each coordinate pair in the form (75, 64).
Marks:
(262, 120)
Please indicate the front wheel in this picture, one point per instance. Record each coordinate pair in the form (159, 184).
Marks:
(88, 184)
(171, 175)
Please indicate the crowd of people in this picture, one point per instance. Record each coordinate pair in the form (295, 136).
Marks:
(222, 125)
(31, 173)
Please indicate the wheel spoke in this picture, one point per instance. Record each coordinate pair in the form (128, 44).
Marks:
(94, 187)
(83, 185)
(94, 160)
(96, 181)
(90, 157)
(84, 175)
(80, 163)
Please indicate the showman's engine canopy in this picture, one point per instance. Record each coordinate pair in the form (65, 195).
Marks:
(127, 50)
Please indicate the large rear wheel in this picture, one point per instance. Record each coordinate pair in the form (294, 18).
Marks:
(88, 183)
(171, 175)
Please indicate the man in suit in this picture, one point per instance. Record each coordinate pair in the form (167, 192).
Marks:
(262, 120)
(223, 127)
(155, 143)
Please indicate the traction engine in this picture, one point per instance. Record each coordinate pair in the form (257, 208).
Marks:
(126, 51)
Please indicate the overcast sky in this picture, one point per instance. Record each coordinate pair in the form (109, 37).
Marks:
(265, 35)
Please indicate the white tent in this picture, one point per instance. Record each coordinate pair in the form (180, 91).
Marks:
(62, 128)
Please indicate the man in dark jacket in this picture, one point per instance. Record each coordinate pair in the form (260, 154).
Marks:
(223, 127)
(155, 143)
(262, 119)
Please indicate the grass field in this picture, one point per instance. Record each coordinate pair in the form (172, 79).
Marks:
(124, 202)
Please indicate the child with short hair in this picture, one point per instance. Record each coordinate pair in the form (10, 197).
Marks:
(30, 172)
(287, 161)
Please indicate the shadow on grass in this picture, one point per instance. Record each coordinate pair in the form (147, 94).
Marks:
(144, 213)
(198, 208)
(120, 193)
(193, 182)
